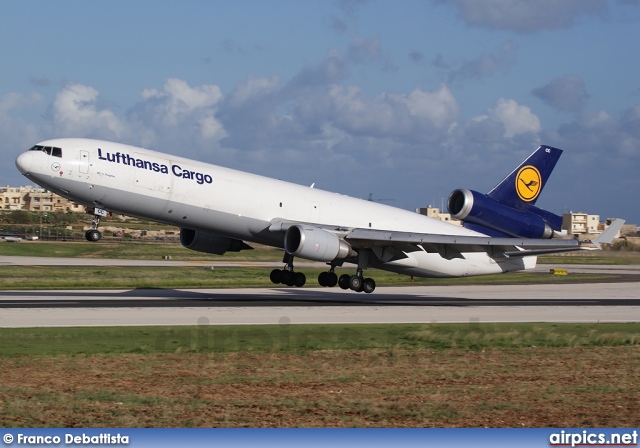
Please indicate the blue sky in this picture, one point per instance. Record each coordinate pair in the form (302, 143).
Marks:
(402, 100)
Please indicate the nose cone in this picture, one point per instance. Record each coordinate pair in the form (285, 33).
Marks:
(23, 162)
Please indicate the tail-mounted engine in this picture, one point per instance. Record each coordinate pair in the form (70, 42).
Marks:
(210, 243)
(479, 209)
(316, 244)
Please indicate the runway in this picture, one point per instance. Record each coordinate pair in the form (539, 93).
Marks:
(595, 302)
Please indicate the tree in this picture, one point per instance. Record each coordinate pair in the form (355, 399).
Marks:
(20, 217)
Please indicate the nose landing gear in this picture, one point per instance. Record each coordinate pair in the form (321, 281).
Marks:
(94, 234)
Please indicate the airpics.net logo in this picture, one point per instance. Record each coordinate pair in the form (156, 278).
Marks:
(589, 438)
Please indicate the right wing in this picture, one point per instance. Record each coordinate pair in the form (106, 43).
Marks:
(510, 247)
(360, 238)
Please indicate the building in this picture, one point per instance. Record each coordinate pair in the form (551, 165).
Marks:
(35, 200)
(581, 223)
(433, 212)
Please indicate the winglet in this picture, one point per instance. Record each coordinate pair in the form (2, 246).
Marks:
(609, 233)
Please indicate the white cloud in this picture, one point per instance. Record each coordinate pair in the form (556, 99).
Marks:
(253, 88)
(566, 93)
(485, 65)
(363, 50)
(75, 114)
(412, 116)
(440, 106)
(210, 128)
(178, 112)
(177, 99)
(598, 120)
(515, 118)
(15, 130)
(14, 100)
(596, 133)
(525, 16)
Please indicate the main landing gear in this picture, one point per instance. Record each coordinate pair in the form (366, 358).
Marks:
(357, 282)
(353, 282)
(288, 276)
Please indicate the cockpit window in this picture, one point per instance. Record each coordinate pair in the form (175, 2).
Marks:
(51, 150)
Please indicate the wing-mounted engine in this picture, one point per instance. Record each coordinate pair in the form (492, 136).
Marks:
(313, 243)
(210, 243)
(480, 210)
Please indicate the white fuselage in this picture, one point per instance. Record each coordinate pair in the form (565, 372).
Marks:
(200, 196)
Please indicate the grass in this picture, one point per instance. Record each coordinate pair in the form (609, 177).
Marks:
(284, 338)
(607, 257)
(69, 277)
(131, 251)
(474, 375)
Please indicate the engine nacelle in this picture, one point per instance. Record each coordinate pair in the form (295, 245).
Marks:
(315, 244)
(210, 243)
(477, 208)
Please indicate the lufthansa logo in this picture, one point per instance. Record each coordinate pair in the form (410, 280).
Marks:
(528, 183)
(55, 166)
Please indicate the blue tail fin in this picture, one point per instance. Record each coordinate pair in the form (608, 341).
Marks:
(521, 188)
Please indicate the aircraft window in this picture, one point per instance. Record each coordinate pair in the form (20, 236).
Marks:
(51, 150)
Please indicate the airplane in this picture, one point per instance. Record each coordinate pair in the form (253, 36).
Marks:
(220, 210)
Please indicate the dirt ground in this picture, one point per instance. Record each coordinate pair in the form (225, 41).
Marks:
(532, 387)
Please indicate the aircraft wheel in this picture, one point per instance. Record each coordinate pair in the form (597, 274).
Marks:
(328, 279)
(323, 279)
(343, 281)
(276, 276)
(93, 235)
(368, 285)
(286, 277)
(299, 279)
(332, 279)
(290, 282)
(355, 283)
